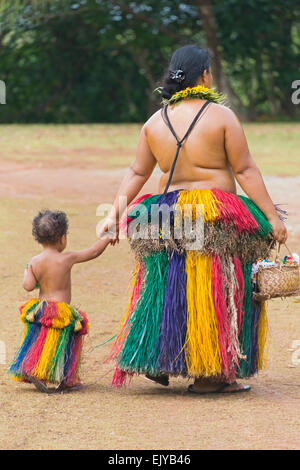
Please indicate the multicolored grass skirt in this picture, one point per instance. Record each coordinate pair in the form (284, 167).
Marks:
(52, 343)
(191, 312)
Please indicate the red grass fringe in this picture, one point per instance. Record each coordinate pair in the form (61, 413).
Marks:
(239, 293)
(226, 350)
(36, 351)
(120, 377)
(233, 211)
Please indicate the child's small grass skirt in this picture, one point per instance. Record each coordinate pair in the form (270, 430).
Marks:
(52, 343)
(191, 311)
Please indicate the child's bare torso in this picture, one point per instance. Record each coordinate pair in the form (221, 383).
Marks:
(52, 270)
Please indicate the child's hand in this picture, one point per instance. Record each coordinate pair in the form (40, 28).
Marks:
(111, 228)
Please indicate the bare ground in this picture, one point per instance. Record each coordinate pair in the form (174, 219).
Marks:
(143, 416)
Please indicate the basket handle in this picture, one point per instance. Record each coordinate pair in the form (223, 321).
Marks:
(278, 249)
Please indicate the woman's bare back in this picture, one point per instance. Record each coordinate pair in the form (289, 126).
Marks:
(202, 162)
(214, 155)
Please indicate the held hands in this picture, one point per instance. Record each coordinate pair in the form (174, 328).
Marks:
(109, 228)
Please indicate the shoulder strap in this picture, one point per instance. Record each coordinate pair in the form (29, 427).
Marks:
(179, 142)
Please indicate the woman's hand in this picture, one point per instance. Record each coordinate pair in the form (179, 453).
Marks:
(110, 227)
(279, 229)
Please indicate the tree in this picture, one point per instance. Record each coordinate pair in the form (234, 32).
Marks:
(92, 60)
(210, 28)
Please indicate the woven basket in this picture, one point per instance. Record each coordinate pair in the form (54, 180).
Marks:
(277, 281)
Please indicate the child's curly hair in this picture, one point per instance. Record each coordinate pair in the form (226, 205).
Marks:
(48, 227)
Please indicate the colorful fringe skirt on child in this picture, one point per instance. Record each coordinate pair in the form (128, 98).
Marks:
(52, 343)
(191, 312)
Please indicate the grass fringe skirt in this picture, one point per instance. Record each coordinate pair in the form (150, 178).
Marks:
(191, 312)
(52, 342)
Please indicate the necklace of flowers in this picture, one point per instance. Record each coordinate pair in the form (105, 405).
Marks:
(199, 92)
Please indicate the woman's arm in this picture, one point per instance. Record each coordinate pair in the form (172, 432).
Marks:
(248, 175)
(139, 172)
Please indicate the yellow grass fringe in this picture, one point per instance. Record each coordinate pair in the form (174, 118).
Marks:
(27, 307)
(263, 330)
(202, 351)
(205, 197)
(64, 316)
(42, 367)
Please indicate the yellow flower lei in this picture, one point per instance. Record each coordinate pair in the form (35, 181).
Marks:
(199, 92)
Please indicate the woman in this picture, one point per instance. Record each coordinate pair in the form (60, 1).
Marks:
(191, 312)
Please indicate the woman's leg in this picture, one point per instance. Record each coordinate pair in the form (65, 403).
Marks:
(162, 379)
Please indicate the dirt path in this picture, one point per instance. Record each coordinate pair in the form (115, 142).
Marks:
(143, 416)
(77, 182)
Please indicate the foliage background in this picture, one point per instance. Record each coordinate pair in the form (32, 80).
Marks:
(100, 60)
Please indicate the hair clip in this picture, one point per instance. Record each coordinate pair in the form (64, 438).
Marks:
(178, 75)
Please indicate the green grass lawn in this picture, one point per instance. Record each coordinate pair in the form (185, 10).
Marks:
(274, 146)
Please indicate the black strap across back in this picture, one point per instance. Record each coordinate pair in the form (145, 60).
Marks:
(179, 142)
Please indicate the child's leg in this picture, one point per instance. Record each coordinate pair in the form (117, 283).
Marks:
(41, 387)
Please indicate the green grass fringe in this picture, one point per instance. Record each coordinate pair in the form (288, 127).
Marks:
(141, 348)
(245, 333)
(265, 228)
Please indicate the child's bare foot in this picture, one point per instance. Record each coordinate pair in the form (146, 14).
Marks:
(63, 388)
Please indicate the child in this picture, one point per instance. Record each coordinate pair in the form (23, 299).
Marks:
(52, 343)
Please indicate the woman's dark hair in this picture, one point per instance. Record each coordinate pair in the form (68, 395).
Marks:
(48, 227)
(186, 66)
